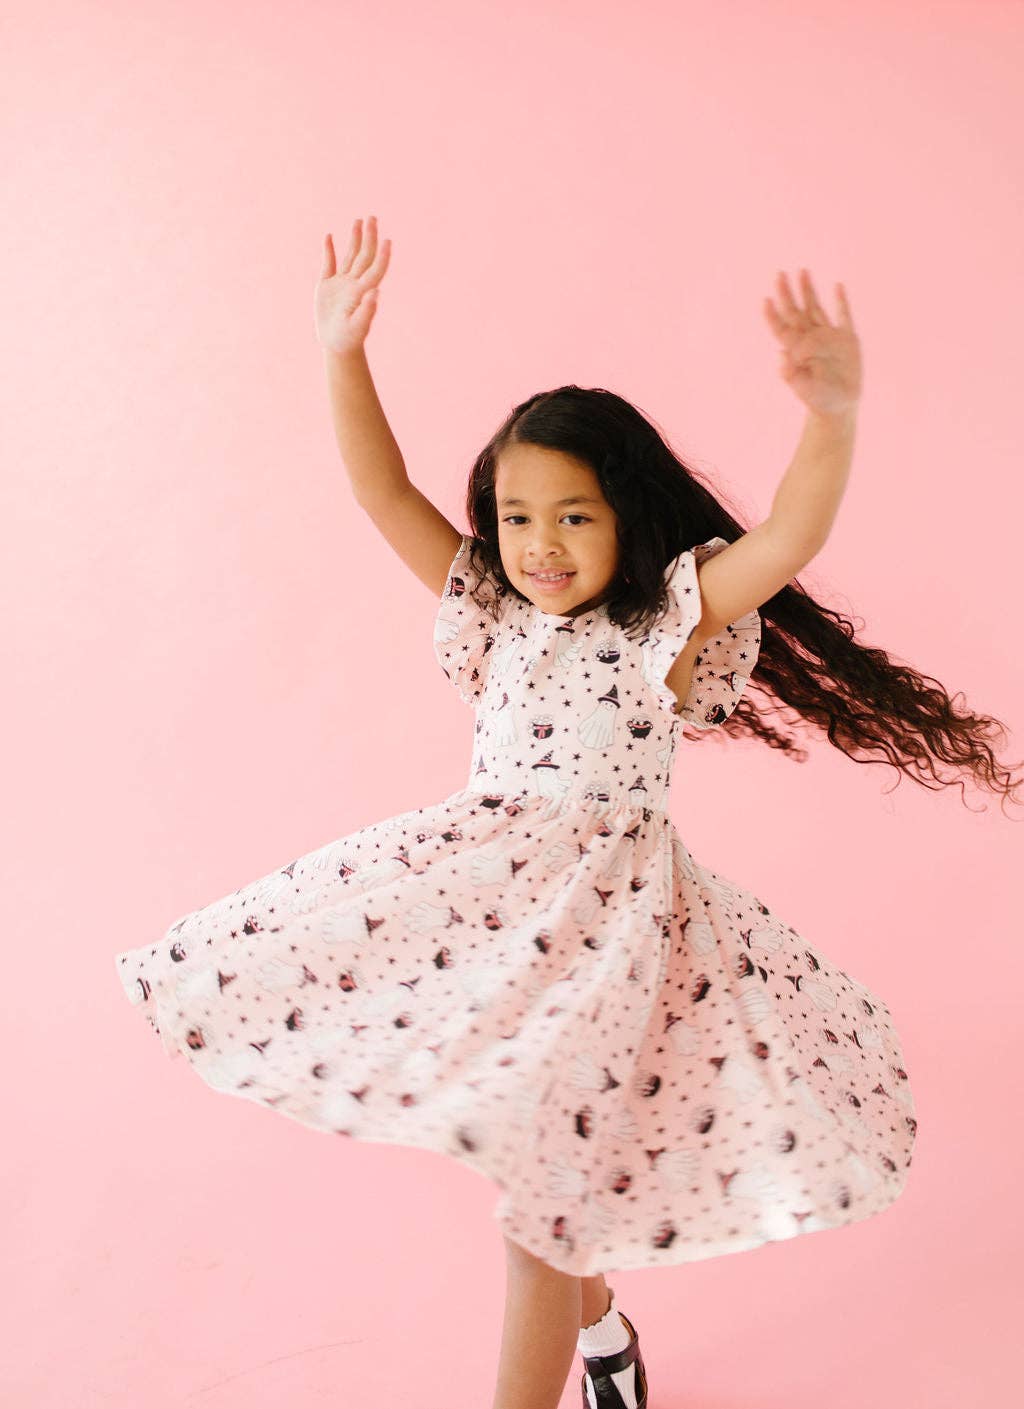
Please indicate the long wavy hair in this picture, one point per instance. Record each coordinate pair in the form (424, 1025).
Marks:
(869, 706)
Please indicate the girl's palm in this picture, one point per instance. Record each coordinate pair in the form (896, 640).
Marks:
(345, 299)
(821, 361)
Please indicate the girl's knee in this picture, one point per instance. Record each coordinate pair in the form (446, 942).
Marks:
(516, 1250)
(521, 1257)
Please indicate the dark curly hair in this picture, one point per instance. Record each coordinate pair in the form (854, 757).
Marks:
(870, 706)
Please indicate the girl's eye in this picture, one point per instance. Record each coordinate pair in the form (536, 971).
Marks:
(564, 516)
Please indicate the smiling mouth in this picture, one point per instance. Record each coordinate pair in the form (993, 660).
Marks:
(551, 584)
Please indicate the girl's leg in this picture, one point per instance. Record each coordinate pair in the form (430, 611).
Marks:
(541, 1328)
(595, 1298)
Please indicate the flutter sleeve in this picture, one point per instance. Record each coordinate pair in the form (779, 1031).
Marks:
(464, 632)
(725, 662)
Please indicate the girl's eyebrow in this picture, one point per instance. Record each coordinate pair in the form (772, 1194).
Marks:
(573, 499)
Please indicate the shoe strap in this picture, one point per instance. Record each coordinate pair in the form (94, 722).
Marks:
(603, 1366)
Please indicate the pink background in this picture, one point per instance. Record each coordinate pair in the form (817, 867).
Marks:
(214, 659)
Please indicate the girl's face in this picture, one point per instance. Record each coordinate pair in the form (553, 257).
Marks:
(540, 530)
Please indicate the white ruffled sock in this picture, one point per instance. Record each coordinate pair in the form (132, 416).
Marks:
(607, 1337)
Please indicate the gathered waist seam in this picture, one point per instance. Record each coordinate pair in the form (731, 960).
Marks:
(570, 803)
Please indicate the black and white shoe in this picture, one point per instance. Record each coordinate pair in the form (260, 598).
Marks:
(600, 1368)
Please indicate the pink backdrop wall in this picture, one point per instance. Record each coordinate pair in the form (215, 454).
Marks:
(213, 658)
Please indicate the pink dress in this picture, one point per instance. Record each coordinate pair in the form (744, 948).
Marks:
(535, 977)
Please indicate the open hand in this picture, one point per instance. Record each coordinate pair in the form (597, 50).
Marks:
(821, 361)
(345, 300)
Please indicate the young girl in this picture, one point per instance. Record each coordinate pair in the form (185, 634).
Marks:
(534, 975)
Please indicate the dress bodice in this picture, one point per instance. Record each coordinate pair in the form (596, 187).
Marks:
(571, 709)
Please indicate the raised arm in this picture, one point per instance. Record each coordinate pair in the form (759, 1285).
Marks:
(821, 363)
(345, 302)
(751, 570)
